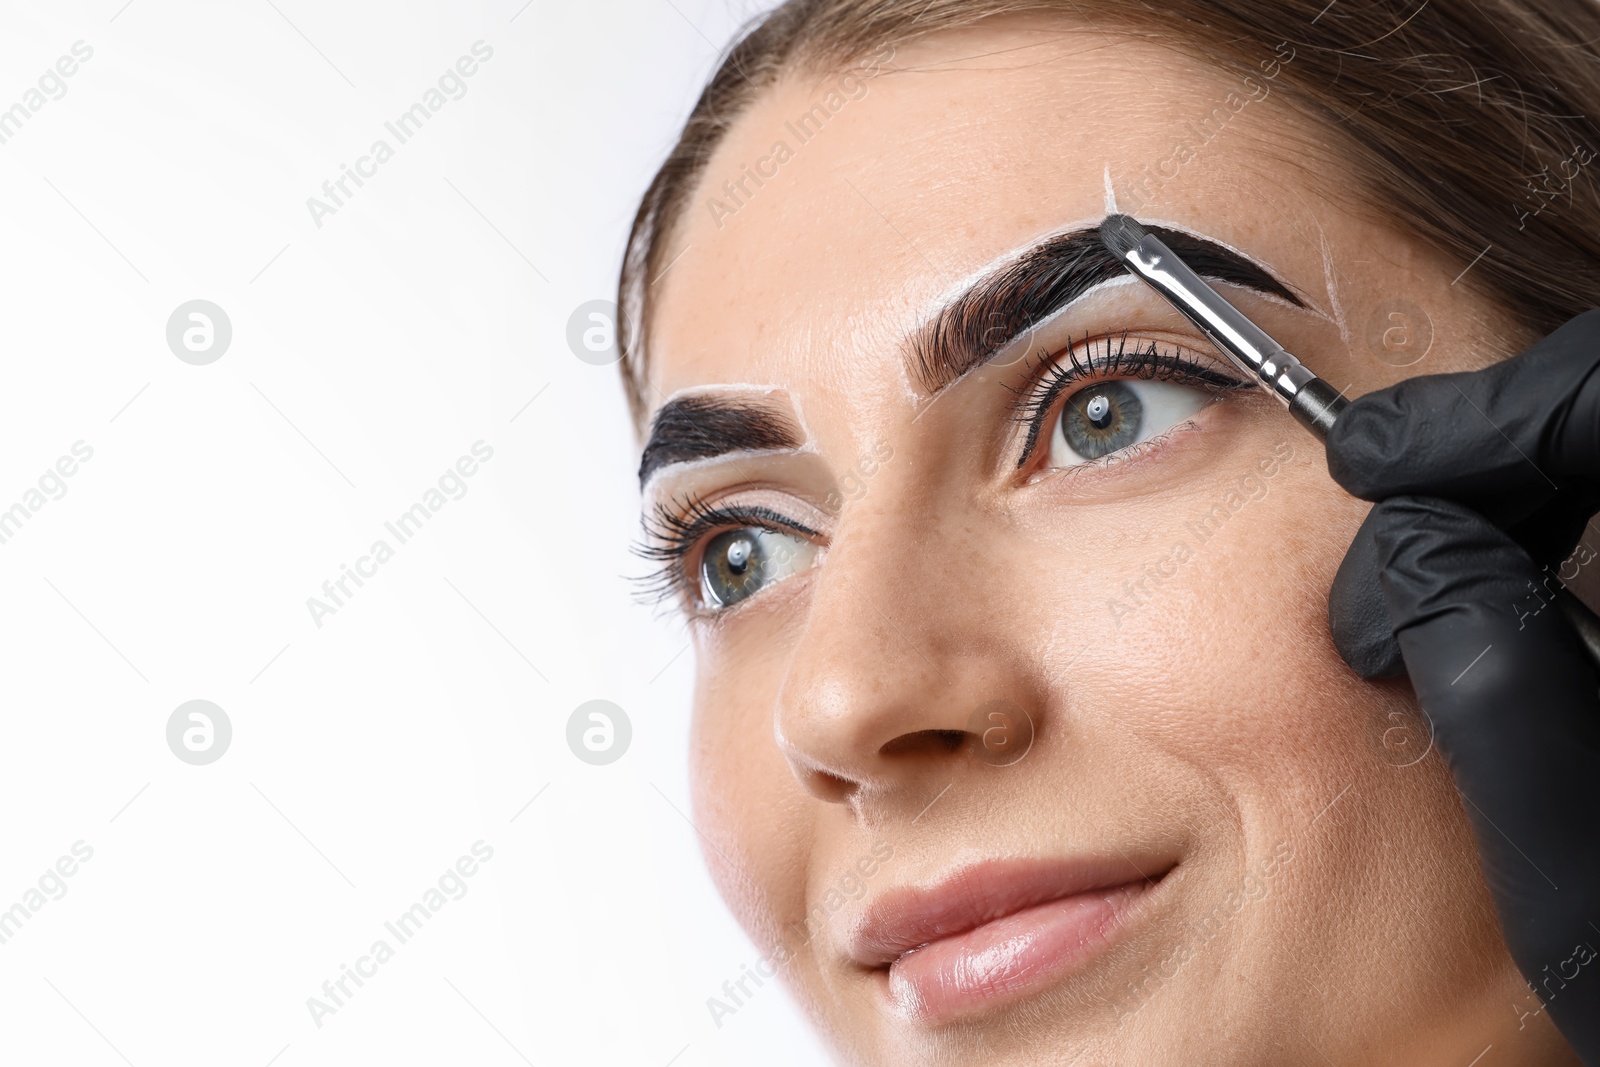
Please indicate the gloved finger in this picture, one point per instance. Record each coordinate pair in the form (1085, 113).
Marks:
(1358, 617)
(1515, 708)
(1505, 439)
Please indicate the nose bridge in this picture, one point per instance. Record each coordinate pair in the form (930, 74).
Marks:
(895, 658)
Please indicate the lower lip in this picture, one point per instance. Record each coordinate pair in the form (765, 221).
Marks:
(1010, 957)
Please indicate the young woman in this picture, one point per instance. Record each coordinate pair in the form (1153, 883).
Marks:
(1020, 733)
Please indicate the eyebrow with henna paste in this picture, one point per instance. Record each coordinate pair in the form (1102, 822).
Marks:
(1052, 274)
(700, 427)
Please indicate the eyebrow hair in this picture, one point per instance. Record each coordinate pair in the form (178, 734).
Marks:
(1007, 303)
(698, 427)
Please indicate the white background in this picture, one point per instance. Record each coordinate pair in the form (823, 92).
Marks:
(367, 356)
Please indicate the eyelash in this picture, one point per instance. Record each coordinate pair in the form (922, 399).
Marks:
(673, 532)
(1055, 373)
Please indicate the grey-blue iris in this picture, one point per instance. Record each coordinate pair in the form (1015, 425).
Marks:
(1101, 418)
(733, 566)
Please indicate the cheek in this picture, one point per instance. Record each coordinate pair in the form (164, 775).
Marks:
(1234, 614)
(1223, 696)
(746, 800)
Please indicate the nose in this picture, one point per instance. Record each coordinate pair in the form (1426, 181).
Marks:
(908, 670)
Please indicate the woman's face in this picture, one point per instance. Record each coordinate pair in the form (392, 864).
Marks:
(1019, 734)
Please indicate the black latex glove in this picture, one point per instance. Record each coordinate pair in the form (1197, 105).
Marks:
(1484, 481)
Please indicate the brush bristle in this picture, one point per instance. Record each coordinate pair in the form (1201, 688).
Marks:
(1121, 233)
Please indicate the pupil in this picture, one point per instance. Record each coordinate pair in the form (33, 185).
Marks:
(1100, 420)
(1099, 411)
(736, 564)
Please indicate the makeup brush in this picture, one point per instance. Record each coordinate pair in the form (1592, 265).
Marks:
(1313, 402)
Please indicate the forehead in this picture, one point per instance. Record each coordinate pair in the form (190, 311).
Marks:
(841, 207)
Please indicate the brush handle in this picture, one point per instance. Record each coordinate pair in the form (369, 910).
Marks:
(1313, 402)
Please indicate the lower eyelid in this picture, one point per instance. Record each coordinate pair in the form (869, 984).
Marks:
(1092, 467)
(1137, 451)
(1035, 409)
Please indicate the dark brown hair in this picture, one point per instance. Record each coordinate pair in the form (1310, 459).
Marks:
(1470, 122)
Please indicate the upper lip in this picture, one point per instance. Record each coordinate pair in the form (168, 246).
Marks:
(910, 917)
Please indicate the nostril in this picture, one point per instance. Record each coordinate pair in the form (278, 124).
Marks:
(830, 788)
(926, 742)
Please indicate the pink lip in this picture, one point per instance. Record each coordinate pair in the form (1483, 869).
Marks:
(996, 931)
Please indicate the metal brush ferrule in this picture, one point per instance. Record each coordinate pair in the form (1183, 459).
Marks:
(1309, 399)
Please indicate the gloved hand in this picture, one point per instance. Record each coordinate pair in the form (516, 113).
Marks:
(1484, 482)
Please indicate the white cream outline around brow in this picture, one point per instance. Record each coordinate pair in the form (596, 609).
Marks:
(808, 442)
(1328, 271)
(952, 293)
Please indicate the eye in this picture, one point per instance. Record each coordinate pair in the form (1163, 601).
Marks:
(737, 564)
(1108, 416)
(1098, 397)
(712, 556)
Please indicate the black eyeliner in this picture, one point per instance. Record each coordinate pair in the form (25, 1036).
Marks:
(1035, 401)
